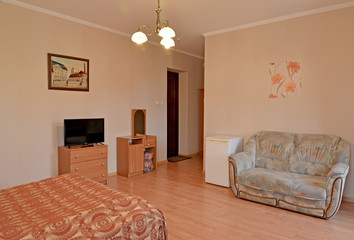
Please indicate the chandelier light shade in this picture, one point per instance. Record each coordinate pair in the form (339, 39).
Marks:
(167, 32)
(161, 29)
(167, 42)
(139, 37)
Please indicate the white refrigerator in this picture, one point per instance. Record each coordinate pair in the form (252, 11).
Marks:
(217, 151)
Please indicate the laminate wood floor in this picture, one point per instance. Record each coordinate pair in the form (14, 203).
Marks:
(196, 210)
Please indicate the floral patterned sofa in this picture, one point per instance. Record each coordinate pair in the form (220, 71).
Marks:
(299, 172)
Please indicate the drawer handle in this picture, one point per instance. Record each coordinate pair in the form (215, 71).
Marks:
(76, 156)
(103, 175)
(103, 152)
(76, 169)
(102, 164)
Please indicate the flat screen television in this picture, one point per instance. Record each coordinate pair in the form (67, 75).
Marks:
(83, 131)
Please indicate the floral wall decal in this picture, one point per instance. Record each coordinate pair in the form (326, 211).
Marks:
(285, 79)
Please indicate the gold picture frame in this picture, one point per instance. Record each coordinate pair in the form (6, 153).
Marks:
(68, 73)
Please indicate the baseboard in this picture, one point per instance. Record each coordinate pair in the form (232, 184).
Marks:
(348, 199)
(189, 155)
(112, 174)
(161, 162)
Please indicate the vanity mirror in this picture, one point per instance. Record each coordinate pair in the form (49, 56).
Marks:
(138, 122)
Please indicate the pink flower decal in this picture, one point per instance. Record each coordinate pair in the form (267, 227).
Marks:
(277, 78)
(285, 79)
(294, 66)
(290, 87)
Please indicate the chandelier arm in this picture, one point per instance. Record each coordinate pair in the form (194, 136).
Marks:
(164, 24)
(149, 31)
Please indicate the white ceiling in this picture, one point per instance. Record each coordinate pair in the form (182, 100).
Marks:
(189, 18)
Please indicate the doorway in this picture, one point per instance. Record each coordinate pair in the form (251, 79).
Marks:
(172, 113)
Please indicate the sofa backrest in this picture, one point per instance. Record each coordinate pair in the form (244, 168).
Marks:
(310, 154)
(342, 153)
(273, 150)
(313, 154)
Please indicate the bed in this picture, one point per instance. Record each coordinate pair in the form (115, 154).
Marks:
(74, 207)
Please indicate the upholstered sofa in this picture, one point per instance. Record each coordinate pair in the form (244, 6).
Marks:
(299, 172)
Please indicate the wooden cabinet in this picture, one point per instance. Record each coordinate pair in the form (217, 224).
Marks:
(90, 162)
(135, 158)
(130, 154)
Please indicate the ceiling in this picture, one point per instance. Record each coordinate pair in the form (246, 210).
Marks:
(189, 18)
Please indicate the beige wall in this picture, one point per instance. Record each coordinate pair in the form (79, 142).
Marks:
(122, 76)
(237, 79)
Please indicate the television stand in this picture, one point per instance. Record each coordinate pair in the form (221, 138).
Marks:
(89, 162)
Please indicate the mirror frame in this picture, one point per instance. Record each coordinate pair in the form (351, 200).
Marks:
(133, 121)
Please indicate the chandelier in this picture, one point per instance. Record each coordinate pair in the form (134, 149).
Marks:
(162, 29)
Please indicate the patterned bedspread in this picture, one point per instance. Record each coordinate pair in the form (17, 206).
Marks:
(74, 207)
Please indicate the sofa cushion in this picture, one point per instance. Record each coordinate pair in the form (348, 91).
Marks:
(299, 204)
(298, 185)
(273, 149)
(313, 154)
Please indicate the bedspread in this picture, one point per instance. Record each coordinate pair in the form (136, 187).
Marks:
(74, 207)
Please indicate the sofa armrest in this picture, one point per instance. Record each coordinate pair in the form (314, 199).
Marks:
(237, 163)
(338, 170)
(335, 186)
(242, 160)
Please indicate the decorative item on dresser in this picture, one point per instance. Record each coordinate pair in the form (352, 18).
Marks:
(90, 162)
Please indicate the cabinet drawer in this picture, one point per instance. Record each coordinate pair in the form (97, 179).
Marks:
(81, 155)
(94, 169)
(149, 144)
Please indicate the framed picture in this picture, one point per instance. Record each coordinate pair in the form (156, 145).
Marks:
(68, 73)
